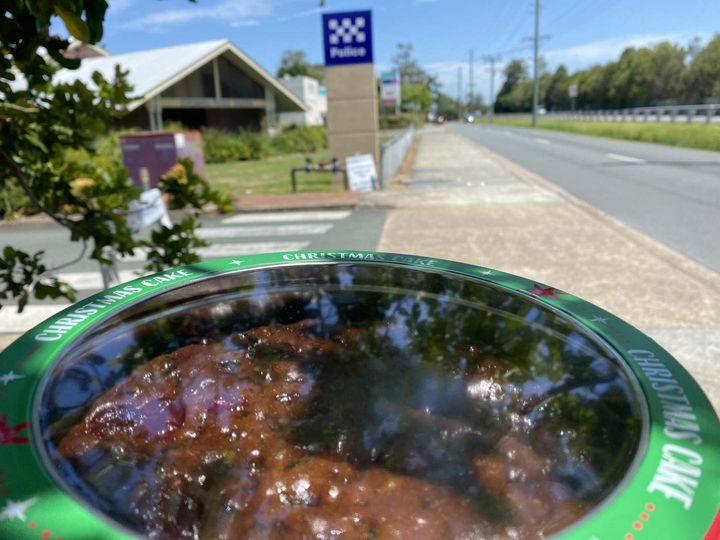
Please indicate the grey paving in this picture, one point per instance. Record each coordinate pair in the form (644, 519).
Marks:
(549, 236)
(672, 194)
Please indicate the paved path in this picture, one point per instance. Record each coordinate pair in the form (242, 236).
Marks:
(671, 194)
(519, 223)
(239, 234)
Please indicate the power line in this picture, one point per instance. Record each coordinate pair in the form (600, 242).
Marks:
(516, 29)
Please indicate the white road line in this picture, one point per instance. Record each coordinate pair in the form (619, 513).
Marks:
(284, 217)
(541, 141)
(248, 248)
(229, 249)
(264, 230)
(90, 281)
(626, 159)
(13, 322)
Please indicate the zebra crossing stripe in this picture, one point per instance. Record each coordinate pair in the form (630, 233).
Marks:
(285, 217)
(264, 230)
(229, 249)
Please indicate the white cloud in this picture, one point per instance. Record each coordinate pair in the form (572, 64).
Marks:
(234, 12)
(595, 52)
(119, 6)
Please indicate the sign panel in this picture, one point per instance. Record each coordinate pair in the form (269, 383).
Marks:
(347, 38)
(361, 171)
(390, 88)
(573, 90)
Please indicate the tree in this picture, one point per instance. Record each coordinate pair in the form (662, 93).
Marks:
(416, 98)
(516, 92)
(41, 122)
(447, 107)
(555, 94)
(411, 72)
(703, 79)
(294, 63)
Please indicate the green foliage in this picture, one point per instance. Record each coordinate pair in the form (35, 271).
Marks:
(416, 98)
(168, 247)
(660, 74)
(187, 188)
(20, 275)
(397, 121)
(222, 146)
(294, 63)
(299, 140)
(703, 80)
(513, 95)
(50, 141)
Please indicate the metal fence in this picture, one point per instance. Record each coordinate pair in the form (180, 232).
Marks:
(392, 154)
(690, 114)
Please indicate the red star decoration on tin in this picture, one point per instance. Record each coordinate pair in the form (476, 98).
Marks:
(546, 292)
(10, 435)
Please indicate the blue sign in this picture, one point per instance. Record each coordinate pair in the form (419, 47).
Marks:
(347, 38)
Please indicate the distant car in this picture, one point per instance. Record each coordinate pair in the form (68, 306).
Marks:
(470, 118)
(440, 119)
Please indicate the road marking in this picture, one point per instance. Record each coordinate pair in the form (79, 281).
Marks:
(229, 249)
(12, 322)
(248, 248)
(91, 281)
(626, 159)
(541, 141)
(284, 217)
(508, 133)
(264, 230)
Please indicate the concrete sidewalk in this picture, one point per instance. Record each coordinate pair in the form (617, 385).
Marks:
(484, 210)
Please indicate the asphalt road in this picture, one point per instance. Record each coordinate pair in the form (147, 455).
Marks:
(671, 194)
(228, 236)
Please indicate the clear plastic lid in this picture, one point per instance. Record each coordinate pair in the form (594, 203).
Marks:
(339, 400)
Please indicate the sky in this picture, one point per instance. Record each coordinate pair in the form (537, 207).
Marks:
(579, 33)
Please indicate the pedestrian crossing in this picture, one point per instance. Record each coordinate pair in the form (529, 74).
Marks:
(238, 235)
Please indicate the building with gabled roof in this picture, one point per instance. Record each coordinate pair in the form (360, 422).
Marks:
(208, 84)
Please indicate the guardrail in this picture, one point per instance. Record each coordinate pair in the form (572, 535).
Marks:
(393, 153)
(707, 113)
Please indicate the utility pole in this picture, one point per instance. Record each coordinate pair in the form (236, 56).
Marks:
(460, 93)
(471, 82)
(491, 60)
(536, 75)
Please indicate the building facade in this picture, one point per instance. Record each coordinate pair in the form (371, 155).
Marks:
(209, 84)
(314, 97)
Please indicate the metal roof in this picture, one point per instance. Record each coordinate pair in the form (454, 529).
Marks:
(153, 71)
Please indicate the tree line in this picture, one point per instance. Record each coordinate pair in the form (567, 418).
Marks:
(662, 74)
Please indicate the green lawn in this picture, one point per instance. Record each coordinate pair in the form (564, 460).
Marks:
(269, 176)
(702, 136)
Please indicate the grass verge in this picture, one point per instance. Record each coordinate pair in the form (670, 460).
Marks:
(269, 176)
(701, 136)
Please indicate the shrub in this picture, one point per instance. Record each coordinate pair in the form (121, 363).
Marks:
(395, 121)
(295, 140)
(221, 146)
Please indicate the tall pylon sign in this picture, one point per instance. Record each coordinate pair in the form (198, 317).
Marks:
(351, 85)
